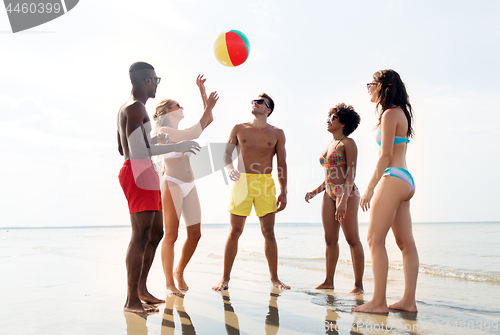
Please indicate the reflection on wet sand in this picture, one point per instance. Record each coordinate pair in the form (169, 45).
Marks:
(272, 318)
(338, 318)
(331, 316)
(168, 323)
(335, 305)
(400, 321)
(230, 317)
(136, 323)
(362, 323)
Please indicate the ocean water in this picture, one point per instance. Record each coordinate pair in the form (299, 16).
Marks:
(459, 275)
(458, 285)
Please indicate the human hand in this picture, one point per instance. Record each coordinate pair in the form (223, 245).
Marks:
(281, 202)
(212, 100)
(364, 203)
(234, 174)
(341, 210)
(163, 138)
(200, 81)
(309, 196)
(187, 146)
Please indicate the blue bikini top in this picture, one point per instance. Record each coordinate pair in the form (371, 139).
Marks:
(397, 139)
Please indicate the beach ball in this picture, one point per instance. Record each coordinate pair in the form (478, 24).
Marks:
(231, 48)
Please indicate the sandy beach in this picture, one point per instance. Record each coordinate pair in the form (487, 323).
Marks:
(72, 281)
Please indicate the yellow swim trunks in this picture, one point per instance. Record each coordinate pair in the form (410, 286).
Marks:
(257, 189)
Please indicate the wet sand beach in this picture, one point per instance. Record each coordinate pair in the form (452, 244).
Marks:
(72, 281)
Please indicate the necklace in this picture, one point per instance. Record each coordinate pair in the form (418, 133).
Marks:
(338, 142)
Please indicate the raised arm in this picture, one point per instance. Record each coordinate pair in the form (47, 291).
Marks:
(193, 132)
(282, 170)
(139, 140)
(200, 81)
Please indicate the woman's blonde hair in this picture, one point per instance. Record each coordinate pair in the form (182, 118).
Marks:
(161, 120)
(160, 115)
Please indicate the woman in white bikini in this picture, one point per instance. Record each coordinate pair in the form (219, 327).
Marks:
(179, 195)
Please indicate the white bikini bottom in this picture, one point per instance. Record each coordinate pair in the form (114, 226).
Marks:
(186, 187)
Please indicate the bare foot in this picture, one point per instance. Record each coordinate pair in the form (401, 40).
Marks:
(371, 307)
(172, 290)
(135, 309)
(180, 281)
(149, 308)
(357, 290)
(140, 308)
(402, 306)
(325, 286)
(149, 298)
(279, 284)
(221, 286)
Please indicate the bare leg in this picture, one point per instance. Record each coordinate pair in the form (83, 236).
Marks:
(171, 199)
(193, 236)
(404, 238)
(331, 227)
(149, 254)
(271, 249)
(351, 233)
(142, 223)
(192, 214)
(237, 224)
(390, 192)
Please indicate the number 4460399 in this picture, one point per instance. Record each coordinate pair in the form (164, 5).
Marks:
(34, 8)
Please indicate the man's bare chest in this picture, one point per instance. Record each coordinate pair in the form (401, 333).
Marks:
(259, 139)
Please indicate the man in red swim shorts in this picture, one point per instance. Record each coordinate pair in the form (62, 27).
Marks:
(141, 185)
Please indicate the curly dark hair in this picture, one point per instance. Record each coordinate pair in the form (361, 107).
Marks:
(347, 116)
(393, 93)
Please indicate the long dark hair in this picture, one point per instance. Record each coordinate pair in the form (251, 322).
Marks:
(393, 93)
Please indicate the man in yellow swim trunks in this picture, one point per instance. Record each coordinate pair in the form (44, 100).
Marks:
(258, 142)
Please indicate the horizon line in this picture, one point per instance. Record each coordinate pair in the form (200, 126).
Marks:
(225, 223)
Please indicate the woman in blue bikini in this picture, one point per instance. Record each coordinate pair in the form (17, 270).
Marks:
(179, 195)
(341, 197)
(391, 188)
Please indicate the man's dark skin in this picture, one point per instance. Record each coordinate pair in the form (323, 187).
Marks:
(134, 142)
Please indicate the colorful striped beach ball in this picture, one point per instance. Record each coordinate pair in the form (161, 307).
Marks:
(231, 48)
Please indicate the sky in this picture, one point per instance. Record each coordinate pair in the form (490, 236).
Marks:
(63, 82)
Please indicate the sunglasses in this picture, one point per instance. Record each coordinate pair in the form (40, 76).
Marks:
(260, 102)
(177, 104)
(156, 79)
(331, 118)
(370, 85)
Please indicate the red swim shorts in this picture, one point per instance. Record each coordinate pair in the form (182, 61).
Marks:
(141, 185)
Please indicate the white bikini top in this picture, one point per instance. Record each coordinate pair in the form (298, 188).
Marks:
(175, 154)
